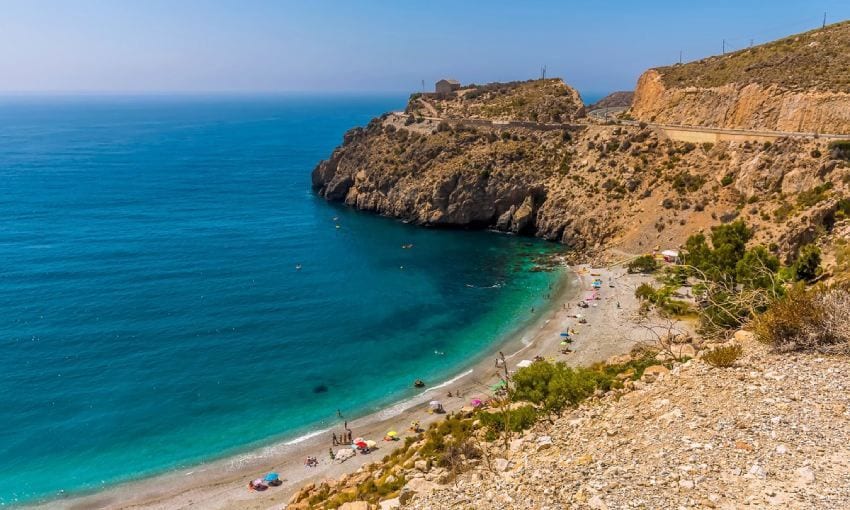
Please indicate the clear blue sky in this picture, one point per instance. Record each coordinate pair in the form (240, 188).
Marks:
(324, 45)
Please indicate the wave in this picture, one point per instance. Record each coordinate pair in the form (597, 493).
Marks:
(496, 285)
(301, 439)
(400, 407)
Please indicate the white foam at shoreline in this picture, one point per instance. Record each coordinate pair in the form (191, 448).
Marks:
(400, 407)
(450, 381)
(301, 439)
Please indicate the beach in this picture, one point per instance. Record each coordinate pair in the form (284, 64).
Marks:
(609, 330)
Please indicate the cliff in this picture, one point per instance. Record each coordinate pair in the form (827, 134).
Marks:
(797, 84)
(602, 186)
(620, 99)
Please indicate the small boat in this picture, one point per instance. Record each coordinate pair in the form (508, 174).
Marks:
(418, 383)
(298, 267)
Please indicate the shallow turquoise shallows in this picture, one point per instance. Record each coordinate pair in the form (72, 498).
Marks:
(152, 313)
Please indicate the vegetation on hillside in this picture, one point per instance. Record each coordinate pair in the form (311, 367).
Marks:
(818, 59)
(549, 100)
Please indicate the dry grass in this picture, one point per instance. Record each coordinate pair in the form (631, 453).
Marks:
(814, 320)
(818, 59)
(724, 356)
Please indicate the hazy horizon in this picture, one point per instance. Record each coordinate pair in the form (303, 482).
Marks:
(95, 47)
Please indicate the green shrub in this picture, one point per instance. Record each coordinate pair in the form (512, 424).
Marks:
(554, 386)
(727, 180)
(643, 264)
(518, 419)
(840, 149)
(815, 195)
(725, 356)
(687, 182)
(807, 266)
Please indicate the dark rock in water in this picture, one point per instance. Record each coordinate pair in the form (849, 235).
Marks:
(320, 389)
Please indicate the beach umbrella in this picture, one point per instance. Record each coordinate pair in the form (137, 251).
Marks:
(271, 477)
(358, 440)
(565, 334)
(361, 444)
(392, 433)
(370, 443)
(258, 482)
(476, 402)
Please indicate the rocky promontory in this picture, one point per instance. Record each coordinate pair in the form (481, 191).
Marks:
(586, 186)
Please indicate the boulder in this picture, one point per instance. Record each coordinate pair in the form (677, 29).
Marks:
(651, 374)
(421, 465)
(501, 465)
(742, 336)
(390, 504)
(355, 505)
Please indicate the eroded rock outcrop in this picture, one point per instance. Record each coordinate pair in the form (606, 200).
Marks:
(797, 84)
(741, 106)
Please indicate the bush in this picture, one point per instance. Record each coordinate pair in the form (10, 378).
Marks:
(643, 264)
(727, 180)
(815, 195)
(840, 149)
(725, 356)
(817, 320)
(807, 266)
(518, 419)
(554, 386)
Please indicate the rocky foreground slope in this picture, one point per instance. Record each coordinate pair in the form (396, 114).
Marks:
(797, 84)
(770, 432)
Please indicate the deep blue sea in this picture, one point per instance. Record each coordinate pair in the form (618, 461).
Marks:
(152, 314)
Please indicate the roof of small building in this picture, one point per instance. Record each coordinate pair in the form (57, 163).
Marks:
(453, 82)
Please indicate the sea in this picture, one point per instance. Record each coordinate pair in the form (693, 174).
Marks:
(172, 291)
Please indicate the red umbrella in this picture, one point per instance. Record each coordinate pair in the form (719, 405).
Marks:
(361, 444)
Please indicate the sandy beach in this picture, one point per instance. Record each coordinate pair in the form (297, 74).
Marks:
(222, 484)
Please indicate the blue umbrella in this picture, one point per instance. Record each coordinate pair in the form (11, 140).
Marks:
(271, 477)
(565, 334)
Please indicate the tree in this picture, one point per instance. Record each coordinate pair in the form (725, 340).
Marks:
(756, 268)
(643, 264)
(807, 267)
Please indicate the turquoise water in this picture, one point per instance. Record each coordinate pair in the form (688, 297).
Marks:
(152, 313)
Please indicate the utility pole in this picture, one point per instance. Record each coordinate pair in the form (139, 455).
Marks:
(680, 56)
(751, 43)
(543, 73)
(824, 20)
(723, 46)
(423, 86)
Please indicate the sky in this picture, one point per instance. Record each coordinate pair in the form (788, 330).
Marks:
(243, 46)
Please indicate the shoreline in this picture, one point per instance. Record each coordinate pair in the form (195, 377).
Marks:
(222, 483)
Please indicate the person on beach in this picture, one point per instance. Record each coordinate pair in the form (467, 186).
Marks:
(335, 442)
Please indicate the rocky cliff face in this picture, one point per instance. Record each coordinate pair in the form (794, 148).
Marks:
(753, 106)
(797, 84)
(601, 187)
